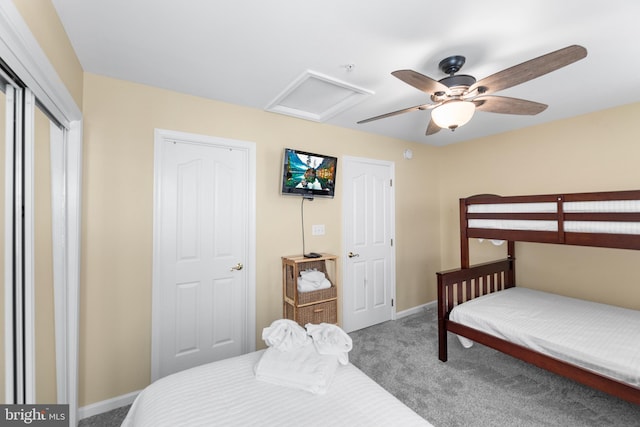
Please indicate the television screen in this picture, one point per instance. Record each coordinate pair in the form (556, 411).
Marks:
(308, 174)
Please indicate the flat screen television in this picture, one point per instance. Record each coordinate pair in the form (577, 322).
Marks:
(308, 174)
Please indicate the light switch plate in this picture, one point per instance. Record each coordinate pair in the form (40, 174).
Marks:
(317, 229)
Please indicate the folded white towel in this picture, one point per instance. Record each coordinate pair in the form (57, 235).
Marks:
(313, 275)
(331, 339)
(308, 286)
(285, 335)
(302, 368)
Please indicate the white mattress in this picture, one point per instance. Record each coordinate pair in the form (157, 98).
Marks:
(548, 207)
(599, 337)
(542, 207)
(606, 227)
(226, 393)
(514, 224)
(603, 206)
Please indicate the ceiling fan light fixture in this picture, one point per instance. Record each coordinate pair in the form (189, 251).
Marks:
(453, 114)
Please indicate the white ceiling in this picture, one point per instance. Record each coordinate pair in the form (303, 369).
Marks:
(248, 52)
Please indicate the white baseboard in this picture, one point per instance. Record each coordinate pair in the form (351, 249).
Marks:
(414, 310)
(107, 405)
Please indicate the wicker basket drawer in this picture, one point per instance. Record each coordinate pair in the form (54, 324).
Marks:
(313, 296)
(325, 312)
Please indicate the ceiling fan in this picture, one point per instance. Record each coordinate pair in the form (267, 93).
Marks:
(457, 96)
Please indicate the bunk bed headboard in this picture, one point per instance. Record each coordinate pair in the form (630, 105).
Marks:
(603, 219)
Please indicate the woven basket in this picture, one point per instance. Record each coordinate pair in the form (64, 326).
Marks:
(308, 297)
(325, 312)
(315, 296)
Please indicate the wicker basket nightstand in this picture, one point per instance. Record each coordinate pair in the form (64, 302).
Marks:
(319, 306)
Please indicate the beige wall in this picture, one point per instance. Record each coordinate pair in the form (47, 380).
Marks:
(42, 19)
(120, 118)
(594, 152)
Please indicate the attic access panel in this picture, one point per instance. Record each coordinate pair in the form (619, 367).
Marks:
(317, 97)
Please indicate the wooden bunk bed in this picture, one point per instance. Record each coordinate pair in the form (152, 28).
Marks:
(602, 219)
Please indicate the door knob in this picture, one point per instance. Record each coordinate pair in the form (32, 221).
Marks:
(238, 267)
(352, 255)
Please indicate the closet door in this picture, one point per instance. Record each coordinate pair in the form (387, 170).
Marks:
(43, 288)
(28, 314)
(12, 378)
(203, 307)
(3, 298)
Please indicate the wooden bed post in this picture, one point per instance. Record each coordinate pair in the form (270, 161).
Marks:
(511, 254)
(442, 328)
(464, 239)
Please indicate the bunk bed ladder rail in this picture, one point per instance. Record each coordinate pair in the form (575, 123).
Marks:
(460, 285)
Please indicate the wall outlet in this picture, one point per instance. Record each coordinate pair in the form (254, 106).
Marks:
(317, 230)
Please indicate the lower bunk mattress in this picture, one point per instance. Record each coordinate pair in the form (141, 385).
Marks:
(598, 337)
(226, 393)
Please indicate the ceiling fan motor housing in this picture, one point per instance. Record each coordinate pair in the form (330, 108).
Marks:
(457, 85)
(459, 80)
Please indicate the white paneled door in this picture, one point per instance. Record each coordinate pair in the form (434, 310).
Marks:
(201, 289)
(369, 266)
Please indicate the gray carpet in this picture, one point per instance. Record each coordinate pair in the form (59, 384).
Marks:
(476, 387)
(108, 419)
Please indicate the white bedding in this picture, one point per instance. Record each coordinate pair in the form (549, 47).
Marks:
(599, 337)
(226, 393)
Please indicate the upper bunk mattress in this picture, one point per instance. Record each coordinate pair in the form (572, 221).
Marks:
(599, 337)
(226, 393)
(571, 226)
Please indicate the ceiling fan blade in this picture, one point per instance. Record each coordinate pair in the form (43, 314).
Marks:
(432, 128)
(395, 113)
(506, 105)
(529, 70)
(420, 81)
